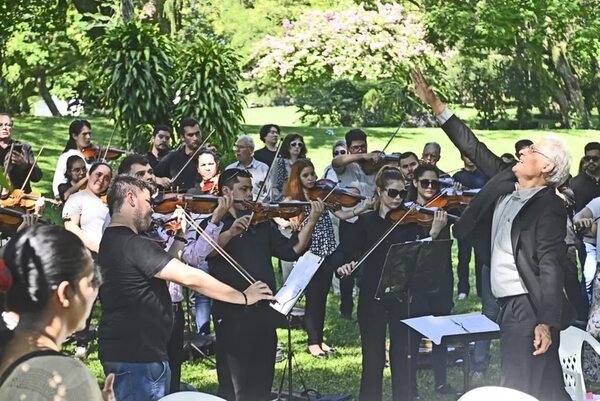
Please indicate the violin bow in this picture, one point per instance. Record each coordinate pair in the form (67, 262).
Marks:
(236, 266)
(392, 137)
(413, 207)
(263, 185)
(193, 155)
(32, 167)
(108, 146)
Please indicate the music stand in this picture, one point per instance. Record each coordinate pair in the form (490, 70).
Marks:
(286, 298)
(412, 268)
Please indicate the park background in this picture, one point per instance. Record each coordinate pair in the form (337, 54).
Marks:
(512, 69)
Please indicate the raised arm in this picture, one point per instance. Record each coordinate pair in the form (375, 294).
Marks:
(460, 135)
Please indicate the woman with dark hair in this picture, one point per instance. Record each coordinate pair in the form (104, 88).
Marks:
(80, 132)
(302, 179)
(54, 284)
(76, 175)
(292, 149)
(376, 315)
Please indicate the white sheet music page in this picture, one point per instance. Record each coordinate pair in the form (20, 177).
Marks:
(436, 327)
(304, 269)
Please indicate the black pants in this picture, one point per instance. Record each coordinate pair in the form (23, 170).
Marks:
(175, 347)
(462, 269)
(316, 302)
(374, 318)
(539, 376)
(350, 245)
(246, 341)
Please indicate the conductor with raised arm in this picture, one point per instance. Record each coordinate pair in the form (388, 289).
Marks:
(520, 225)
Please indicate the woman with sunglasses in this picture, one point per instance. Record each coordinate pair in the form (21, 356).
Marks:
(376, 315)
(339, 149)
(292, 149)
(54, 284)
(427, 181)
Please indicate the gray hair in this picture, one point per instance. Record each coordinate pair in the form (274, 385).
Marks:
(248, 139)
(434, 145)
(557, 151)
(339, 142)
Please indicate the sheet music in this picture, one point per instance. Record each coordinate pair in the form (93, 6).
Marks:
(294, 286)
(436, 327)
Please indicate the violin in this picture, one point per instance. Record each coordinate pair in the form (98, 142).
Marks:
(94, 152)
(449, 200)
(370, 167)
(267, 211)
(334, 196)
(11, 219)
(19, 199)
(417, 214)
(199, 204)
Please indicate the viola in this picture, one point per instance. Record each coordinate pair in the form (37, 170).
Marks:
(334, 196)
(370, 167)
(94, 152)
(410, 213)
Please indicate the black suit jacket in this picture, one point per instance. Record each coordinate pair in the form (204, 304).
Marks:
(537, 233)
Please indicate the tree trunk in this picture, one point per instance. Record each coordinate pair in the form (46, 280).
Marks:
(572, 86)
(45, 93)
(127, 10)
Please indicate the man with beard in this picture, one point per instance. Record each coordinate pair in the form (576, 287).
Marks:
(171, 165)
(161, 139)
(408, 163)
(137, 315)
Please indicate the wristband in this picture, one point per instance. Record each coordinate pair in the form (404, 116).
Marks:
(245, 298)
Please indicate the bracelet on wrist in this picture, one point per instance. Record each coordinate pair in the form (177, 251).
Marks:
(245, 298)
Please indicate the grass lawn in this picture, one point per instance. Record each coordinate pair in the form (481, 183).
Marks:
(342, 373)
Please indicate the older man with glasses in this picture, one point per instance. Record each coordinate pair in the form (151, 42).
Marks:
(16, 158)
(522, 225)
(244, 151)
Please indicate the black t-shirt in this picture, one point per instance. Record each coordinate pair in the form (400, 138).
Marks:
(585, 188)
(172, 163)
(265, 155)
(137, 316)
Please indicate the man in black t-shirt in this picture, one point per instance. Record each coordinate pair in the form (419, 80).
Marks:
(161, 139)
(136, 319)
(246, 337)
(172, 164)
(269, 134)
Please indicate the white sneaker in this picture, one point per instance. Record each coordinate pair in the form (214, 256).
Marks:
(81, 353)
(462, 296)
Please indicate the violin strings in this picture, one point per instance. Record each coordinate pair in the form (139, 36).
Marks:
(247, 276)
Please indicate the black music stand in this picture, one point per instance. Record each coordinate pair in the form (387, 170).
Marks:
(412, 268)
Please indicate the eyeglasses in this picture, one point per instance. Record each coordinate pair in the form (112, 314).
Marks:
(297, 144)
(434, 184)
(339, 152)
(533, 149)
(594, 159)
(358, 147)
(394, 193)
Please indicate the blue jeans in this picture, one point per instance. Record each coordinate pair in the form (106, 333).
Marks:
(202, 303)
(147, 381)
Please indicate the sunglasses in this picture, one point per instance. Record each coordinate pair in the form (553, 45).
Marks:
(594, 159)
(297, 144)
(429, 183)
(394, 193)
(339, 152)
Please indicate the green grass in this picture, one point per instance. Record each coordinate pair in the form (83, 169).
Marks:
(341, 374)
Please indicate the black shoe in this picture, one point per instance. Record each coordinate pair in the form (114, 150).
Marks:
(446, 389)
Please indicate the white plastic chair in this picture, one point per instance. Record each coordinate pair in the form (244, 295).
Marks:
(494, 393)
(191, 396)
(570, 350)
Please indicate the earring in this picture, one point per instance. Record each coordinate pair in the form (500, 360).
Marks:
(65, 303)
